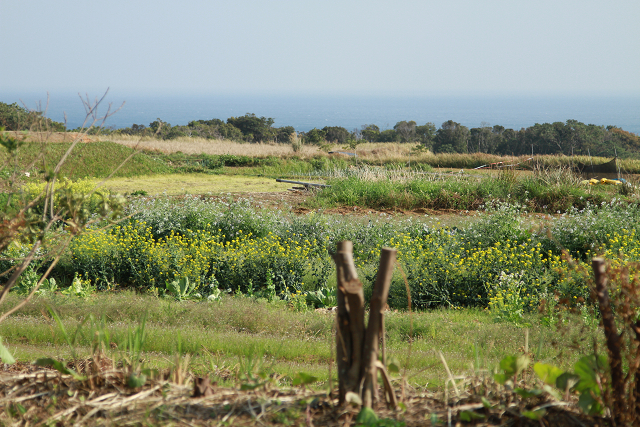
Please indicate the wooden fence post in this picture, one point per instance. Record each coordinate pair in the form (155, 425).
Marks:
(357, 347)
(350, 328)
(374, 329)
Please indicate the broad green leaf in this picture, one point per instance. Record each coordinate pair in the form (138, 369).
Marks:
(59, 366)
(470, 416)
(135, 381)
(5, 355)
(486, 403)
(589, 404)
(525, 394)
(393, 368)
(513, 365)
(501, 378)
(534, 415)
(367, 417)
(508, 365)
(547, 373)
(304, 379)
(552, 391)
(567, 381)
(521, 363)
(587, 369)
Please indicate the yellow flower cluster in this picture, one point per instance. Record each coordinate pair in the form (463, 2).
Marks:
(441, 267)
(130, 255)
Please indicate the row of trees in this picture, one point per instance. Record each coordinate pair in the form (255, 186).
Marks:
(570, 137)
(249, 127)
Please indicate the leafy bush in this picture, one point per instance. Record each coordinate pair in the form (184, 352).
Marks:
(83, 192)
(230, 245)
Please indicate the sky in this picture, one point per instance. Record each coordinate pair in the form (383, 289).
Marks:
(327, 47)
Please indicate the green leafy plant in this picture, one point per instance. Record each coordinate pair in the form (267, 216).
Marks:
(303, 379)
(81, 288)
(5, 354)
(182, 289)
(588, 380)
(510, 367)
(29, 280)
(215, 295)
(368, 418)
(298, 301)
(252, 373)
(270, 287)
(507, 300)
(322, 298)
(131, 349)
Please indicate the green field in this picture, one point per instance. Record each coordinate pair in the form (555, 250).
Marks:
(236, 282)
(227, 333)
(193, 183)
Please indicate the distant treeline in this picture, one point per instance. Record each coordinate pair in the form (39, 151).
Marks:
(571, 137)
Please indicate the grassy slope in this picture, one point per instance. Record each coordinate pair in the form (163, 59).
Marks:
(229, 333)
(94, 159)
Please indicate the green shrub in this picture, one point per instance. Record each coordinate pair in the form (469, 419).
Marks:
(233, 246)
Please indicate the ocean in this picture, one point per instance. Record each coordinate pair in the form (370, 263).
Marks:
(306, 112)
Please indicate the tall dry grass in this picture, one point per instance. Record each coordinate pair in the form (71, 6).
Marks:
(212, 146)
(372, 153)
(382, 152)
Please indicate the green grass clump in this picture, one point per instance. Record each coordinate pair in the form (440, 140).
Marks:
(460, 193)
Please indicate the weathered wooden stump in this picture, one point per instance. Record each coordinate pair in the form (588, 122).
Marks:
(356, 346)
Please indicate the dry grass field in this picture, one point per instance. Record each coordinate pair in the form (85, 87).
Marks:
(211, 146)
(377, 151)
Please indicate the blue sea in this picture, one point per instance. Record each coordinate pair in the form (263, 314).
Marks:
(306, 112)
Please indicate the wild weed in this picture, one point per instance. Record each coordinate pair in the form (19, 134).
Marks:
(508, 300)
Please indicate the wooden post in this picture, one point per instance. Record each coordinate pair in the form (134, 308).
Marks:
(374, 329)
(357, 347)
(350, 318)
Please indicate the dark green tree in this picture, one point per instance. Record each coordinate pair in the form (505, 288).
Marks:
(452, 134)
(406, 130)
(336, 134)
(254, 128)
(283, 134)
(370, 132)
(426, 134)
(315, 136)
(388, 135)
(481, 139)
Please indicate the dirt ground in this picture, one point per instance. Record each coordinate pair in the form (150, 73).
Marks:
(34, 395)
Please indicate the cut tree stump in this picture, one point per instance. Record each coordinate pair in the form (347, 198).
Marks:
(356, 346)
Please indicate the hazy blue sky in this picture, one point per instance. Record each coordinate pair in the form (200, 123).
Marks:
(322, 47)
